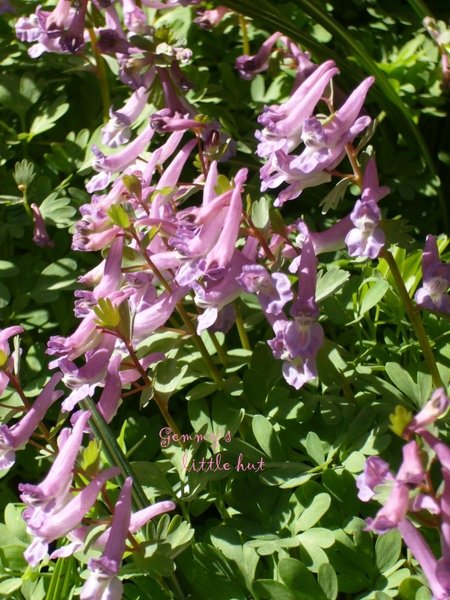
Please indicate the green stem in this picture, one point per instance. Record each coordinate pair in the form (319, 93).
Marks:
(113, 451)
(102, 76)
(414, 317)
(220, 351)
(26, 204)
(245, 343)
(244, 32)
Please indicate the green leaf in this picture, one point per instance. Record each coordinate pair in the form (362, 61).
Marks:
(332, 199)
(9, 586)
(387, 550)
(8, 269)
(314, 448)
(314, 512)
(373, 295)
(168, 375)
(273, 590)
(260, 213)
(330, 282)
(328, 581)
(50, 115)
(90, 458)
(60, 275)
(62, 580)
(118, 216)
(299, 579)
(57, 211)
(267, 437)
(403, 380)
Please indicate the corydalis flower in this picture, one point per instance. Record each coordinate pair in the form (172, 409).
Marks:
(61, 522)
(16, 437)
(297, 341)
(324, 147)
(436, 406)
(6, 363)
(283, 125)
(436, 280)
(40, 235)
(52, 493)
(273, 290)
(249, 66)
(366, 238)
(103, 581)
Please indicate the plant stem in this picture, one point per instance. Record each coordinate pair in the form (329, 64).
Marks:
(414, 317)
(101, 74)
(220, 351)
(244, 32)
(351, 153)
(113, 451)
(241, 329)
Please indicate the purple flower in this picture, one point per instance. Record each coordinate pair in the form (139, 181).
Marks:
(436, 280)
(366, 238)
(393, 511)
(324, 141)
(137, 520)
(52, 493)
(297, 341)
(15, 437)
(165, 121)
(376, 472)
(208, 19)
(118, 129)
(134, 17)
(6, 363)
(283, 125)
(72, 40)
(249, 66)
(103, 581)
(40, 235)
(272, 289)
(424, 556)
(61, 522)
(436, 406)
(59, 20)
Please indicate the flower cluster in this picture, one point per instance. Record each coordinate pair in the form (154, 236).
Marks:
(179, 248)
(411, 493)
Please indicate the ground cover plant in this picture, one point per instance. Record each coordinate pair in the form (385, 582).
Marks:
(224, 300)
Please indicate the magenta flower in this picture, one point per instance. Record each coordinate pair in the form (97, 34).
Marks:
(376, 471)
(366, 238)
(436, 280)
(208, 19)
(436, 406)
(6, 363)
(283, 125)
(16, 437)
(103, 582)
(52, 493)
(118, 129)
(273, 290)
(297, 341)
(40, 235)
(249, 66)
(137, 520)
(61, 522)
